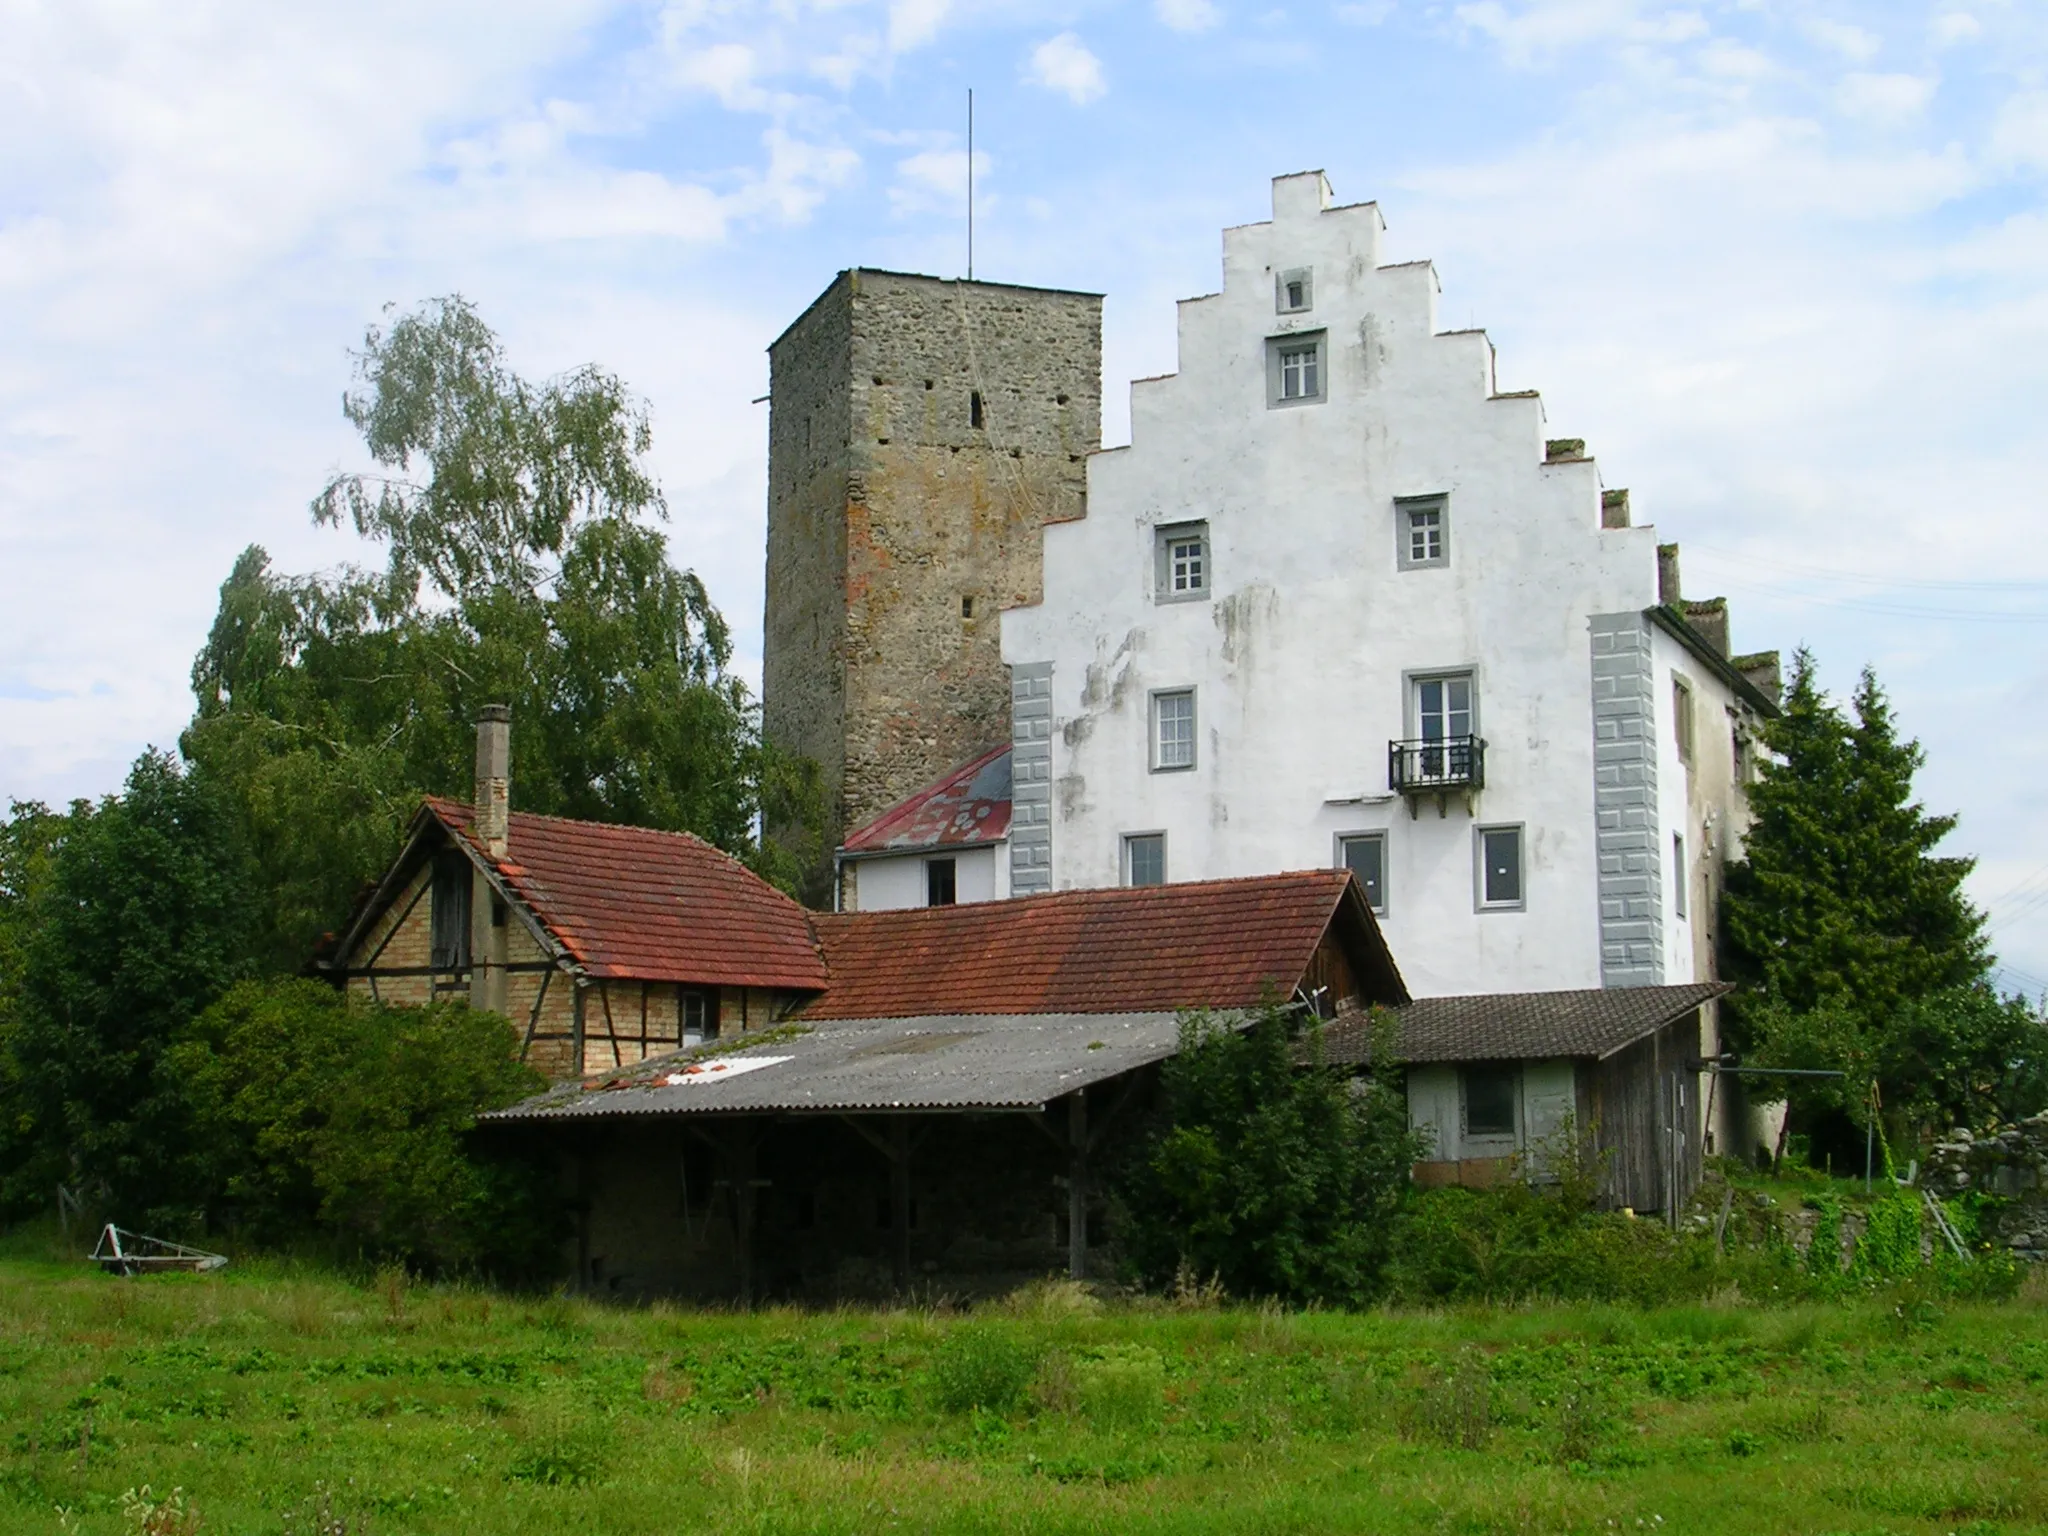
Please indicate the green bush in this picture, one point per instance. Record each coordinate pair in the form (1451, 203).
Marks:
(1122, 1387)
(316, 1116)
(981, 1367)
(1265, 1171)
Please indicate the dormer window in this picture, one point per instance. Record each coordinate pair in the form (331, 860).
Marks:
(1294, 291)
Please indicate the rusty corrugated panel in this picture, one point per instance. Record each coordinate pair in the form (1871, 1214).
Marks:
(969, 805)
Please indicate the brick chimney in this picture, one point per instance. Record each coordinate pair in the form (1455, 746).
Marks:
(493, 777)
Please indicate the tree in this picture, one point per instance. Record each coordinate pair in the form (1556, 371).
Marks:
(319, 1117)
(524, 565)
(1841, 915)
(141, 917)
(1266, 1170)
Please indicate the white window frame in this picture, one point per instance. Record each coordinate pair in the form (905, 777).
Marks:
(1377, 836)
(1135, 837)
(1684, 725)
(1278, 349)
(1282, 281)
(1405, 509)
(951, 862)
(1163, 563)
(1479, 836)
(1159, 763)
(1681, 881)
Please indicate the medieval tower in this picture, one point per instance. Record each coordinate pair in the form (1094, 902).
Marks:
(921, 434)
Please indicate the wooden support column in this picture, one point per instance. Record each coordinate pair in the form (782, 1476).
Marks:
(1077, 1185)
(899, 1195)
(576, 1029)
(741, 1142)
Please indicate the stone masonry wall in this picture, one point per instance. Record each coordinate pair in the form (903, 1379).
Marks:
(922, 433)
(2011, 1163)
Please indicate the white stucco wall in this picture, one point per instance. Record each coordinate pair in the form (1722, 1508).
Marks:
(1300, 655)
(886, 882)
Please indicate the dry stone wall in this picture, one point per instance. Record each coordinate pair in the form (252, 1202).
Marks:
(2010, 1163)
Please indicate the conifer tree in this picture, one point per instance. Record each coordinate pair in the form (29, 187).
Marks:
(1841, 916)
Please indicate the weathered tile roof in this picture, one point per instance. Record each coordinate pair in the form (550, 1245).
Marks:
(636, 904)
(1520, 1026)
(953, 1062)
(1206, 944)
(969, 805)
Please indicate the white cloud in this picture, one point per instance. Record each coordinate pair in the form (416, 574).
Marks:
(1065, 65)
(1364, 13)
(1954, 27)
(726, 70)
(1852, 42)
(1884, 98)
(2020, 134)
(935, 181)
(913, 23)
(1187, 15)
(1534, 30)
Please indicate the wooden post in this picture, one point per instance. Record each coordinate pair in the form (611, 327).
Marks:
(899, 1195)
(576, 1042)
(1077, 1185)
(740, 1159)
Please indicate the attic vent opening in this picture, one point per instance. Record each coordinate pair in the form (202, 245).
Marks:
(974, 408)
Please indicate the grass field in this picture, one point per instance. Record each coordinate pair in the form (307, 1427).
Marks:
(297, 1402)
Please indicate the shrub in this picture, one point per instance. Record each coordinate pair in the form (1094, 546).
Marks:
(1265, 1170)
(984, 1368)
(1122, 1387)
(316, 1115)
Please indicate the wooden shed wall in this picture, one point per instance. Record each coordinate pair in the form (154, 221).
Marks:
(1635, 1100)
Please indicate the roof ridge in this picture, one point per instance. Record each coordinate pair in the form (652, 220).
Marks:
(1113, 892)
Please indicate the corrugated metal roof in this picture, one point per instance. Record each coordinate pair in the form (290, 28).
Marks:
(867, 1066)
(637, 904)
(1523, 1026)
(969, 805)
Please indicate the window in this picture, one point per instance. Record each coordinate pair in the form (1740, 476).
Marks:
(1294, 369)
(1500, 867)
(699, 1021)
(1294, 290)
(966, 607)
(974, 408)
(1181, 563)
(449, 916)
(1678, 874)
(1740, 745)
(1681, 717)
(1490, 1095)
(1422, 527)
(1365, 855)
(1173, 730)
(1145, 858)
(941, 887)
(1445, 726)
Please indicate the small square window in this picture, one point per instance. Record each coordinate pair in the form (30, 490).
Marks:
(1181, 563)
(1422, 531)
(1294, 290)
(1490, 1095)
(1365, 855)
(698, 1022)
(1173, 730)
(941, 882)
(1294, 369)
(1500, 867)
(1681, 881)
(1145, 858)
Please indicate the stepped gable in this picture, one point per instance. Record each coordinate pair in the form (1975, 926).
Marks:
(634, 903)
(1203, 944)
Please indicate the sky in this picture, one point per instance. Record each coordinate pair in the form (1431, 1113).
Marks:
(1784, 265)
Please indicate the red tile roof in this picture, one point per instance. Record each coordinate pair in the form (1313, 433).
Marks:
(636, 904)
(969, 805)
(1213, 944)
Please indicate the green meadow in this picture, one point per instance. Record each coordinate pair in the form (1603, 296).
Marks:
(265, 1399)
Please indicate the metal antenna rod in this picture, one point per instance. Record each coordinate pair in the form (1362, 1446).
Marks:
(970, 183)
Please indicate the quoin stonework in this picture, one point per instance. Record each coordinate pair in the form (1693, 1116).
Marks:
(922, 432)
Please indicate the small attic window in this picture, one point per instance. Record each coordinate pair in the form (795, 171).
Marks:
(1294, 290)
(966, 607)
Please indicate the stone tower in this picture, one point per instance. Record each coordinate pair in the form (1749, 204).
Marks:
(921, 433)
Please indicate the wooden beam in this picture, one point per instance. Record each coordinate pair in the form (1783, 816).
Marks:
(533, 1019)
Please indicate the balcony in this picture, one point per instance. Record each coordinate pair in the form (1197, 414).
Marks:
(1447, 766)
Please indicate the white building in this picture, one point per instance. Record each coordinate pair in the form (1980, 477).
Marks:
(1339, 601)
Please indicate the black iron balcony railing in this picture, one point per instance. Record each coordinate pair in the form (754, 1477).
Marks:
(1452, 762)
